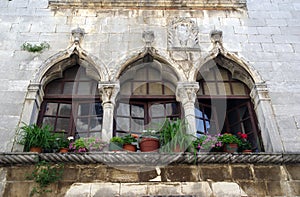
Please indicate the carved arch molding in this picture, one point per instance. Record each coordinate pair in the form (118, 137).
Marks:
(151, 4)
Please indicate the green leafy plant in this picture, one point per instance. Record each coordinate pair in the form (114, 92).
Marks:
(94, 144)
(44, 174)
(244, 144)
(34, 47)
(173, 136)
(60, 141)
(128, 139)
(78, 146)
(117, 140)
(36, 136)
(228, 138)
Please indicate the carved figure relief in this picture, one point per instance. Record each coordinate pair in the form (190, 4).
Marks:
(183, 35)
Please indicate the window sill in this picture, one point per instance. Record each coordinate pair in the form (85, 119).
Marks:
(152, 159)
(151, 4)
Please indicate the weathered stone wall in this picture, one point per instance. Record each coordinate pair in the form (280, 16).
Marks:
(265, 36)
(196, 180)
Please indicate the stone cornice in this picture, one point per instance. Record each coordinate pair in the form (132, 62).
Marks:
(151, 4)
(150, 159)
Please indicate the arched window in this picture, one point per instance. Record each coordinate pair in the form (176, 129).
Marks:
(224, 106)
(72, 104)
(147, 96)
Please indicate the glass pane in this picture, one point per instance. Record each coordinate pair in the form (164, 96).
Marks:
(224, 88)
(157, 110)
(71, 73)
(97, 109)
(198, 113)
(200, 125)
(247, 126)
(54, 87)
(207, 113)
(83, 109)
(155, 88)
(51, 109)
(210, 88)
(236, 128)
(232, 117)
(123, 124)
(156, 123)
(244, 113)
(200, 91)
(141, 74)
(209, 77)
(68, 88)
(219, 76)
(238, 89)
(84, 88)
(123, 109)
(224, 74)
(137, 111)
(154, 74)
(137, 125)
(82, 124)
(96, 124)
(64, 109)
(169, 89)
(62, 124)
(126, 90)
(139, 88)
(49, 121)
(83, 134)
(171, 109)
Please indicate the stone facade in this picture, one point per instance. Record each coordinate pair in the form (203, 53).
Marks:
(261, 38)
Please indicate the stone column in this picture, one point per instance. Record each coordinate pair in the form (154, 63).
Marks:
(30, 110)
(109, 91)
(186, 93)
(266, 118)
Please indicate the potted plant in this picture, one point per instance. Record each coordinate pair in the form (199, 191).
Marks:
(207, 143)
(62, 143)
(94, 144)
(149, 141)
(36, 138)
(116, 144)
(244, 146)
(230, 142)
(173, 137)
(78, 146)
(128, 141)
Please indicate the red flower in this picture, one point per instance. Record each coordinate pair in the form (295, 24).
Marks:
(244, 136)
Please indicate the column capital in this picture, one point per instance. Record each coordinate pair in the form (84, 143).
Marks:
(186, 92)
(259, 93)
(109, 91)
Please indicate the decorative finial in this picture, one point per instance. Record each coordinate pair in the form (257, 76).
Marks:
(148, 37)
(216, 36)
(77, 34)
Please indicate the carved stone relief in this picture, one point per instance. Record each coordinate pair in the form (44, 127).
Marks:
(183, 35)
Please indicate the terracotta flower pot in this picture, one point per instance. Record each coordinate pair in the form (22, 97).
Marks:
(149, 145)
(230, 148)
(129, 147)
(247, 151)
(36, 149)
(64, 150)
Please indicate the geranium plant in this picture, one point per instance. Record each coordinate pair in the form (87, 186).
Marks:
(245, 144)
(228, 138)
(94, 144)
(78, 146)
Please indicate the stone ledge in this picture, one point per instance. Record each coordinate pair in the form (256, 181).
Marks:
(150, 4)
(150, 159)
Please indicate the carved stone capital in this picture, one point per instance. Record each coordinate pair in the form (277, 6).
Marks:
(216, 36)
(148, 37)
(77, 35)
(109, 91)
(259, 93)
(186, 92)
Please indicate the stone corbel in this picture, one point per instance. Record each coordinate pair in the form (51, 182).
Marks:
(77, 35)
(109, 91)
(216, 37)
(35, 92)
(186, 92)
(259, 93)
(148, 38)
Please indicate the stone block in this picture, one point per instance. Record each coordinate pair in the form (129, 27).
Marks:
(105, 189)
(281, 48)
(148, 173)
(254, 188)
(79, 190)
(11, 109)
(214, 172)
(251, 47)
(226, 189)
(290, 30)
(260, 38)
(245, 30)
(268, 30)
(253, 22)
(93, 172)
(276, 188)
(286, 122)
(164, 189)
(133, 189)
(38, 3)
(293, 172)
(180, 173)
(18, 189)
(230, 21)
(18, 4)
(198, 189)
(122, 175)
(17, 173)
(294, 187)
(286, 39)
(70, 173)
(271, 173)
(276, 22)
(241, 172)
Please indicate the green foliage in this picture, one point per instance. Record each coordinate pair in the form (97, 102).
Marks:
(60, 141)
(94, 144)
(128, 139)
(117, 140)
(173, 135)
(34, 48)
(35, 136)
(228, 138)
(44, 174)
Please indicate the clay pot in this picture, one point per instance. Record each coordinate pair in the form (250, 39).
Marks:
(64, 150)
(36, 149)
(129, 147)
(149, 145)
(230, 148)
